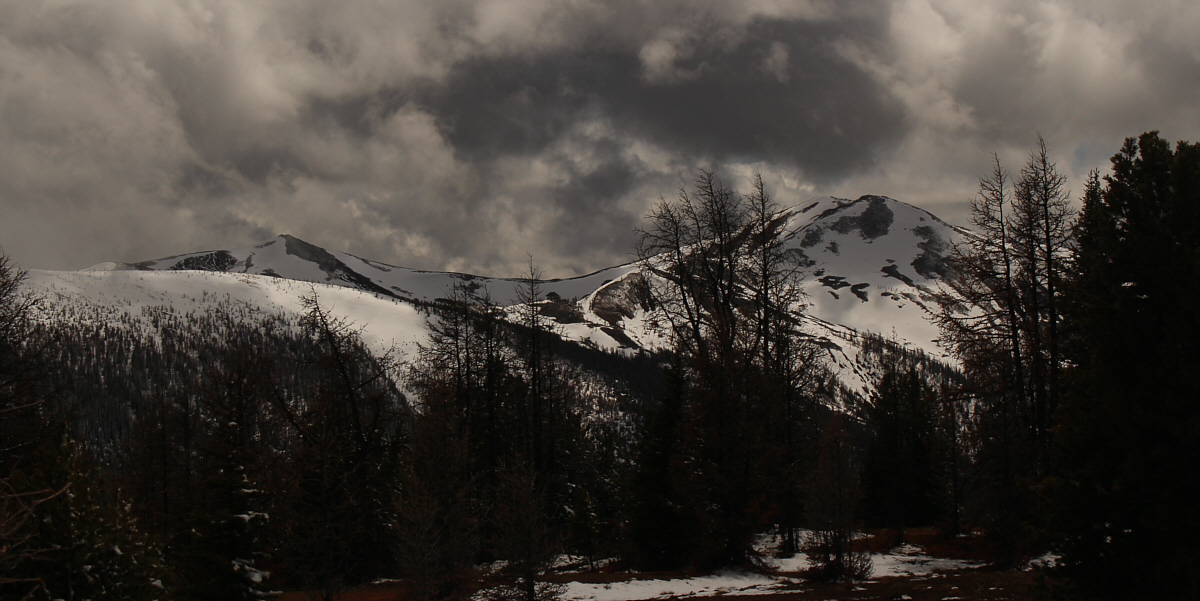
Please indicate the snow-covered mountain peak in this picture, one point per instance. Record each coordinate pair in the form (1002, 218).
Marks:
(871, 263)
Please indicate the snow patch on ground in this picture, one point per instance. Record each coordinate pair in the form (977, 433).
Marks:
(1042, 562)
(724, 583)
(903, 561)
(910, 560)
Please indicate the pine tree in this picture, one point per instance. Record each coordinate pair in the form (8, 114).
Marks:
(901, 467)
(220, 549)
(659, 536)
(1124, 498)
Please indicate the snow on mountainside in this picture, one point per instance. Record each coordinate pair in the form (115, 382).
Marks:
(868, 265)
(871, 264)
(291, 258)
(132, 297)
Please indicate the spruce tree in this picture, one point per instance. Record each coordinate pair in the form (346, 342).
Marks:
(901, 468)
(1125, 494)
(659, 536)
(222, 547)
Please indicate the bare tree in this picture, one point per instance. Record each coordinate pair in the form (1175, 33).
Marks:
(22, 425)
(18, 547)
(23, 360)
(999, 313)
(728, 292)
(523, 534)
(348, 431)
(438, 512)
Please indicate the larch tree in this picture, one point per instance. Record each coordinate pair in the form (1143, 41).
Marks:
(727, 291)
(348, 429)
(998, 311)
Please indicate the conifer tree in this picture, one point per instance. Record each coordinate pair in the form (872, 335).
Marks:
(348, 429)
(1124, 497)
(221, 546)
(901, 472)
(659, 536)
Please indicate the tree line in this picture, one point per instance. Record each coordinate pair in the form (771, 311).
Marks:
(226, 456)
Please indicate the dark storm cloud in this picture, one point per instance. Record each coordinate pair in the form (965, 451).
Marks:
(983, 77)
(511, 105)
(815, 111)
(462, 134)
(590, 216)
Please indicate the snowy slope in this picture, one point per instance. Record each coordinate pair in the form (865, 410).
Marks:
(871, 263)
(110, 295)
(867, 265)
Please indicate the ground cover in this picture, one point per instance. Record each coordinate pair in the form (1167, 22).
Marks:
(920, 565)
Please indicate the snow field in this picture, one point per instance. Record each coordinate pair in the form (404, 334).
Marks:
(386, 325)
(903, 561)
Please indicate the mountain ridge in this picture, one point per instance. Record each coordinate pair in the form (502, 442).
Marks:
(868, 265)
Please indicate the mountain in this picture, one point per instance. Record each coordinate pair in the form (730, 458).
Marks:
(868, 265)
(291, 258)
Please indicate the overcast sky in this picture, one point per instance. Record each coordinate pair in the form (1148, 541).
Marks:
(461, 134)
